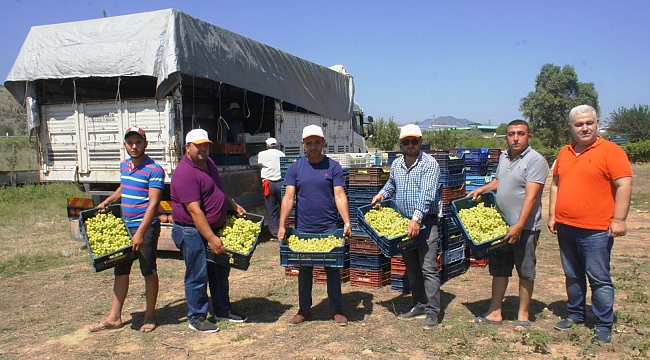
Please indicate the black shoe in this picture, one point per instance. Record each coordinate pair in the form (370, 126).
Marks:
(203, 325)
(430, 323)
(566, 324)
(602, 336)
(415, 313)
(232, 317)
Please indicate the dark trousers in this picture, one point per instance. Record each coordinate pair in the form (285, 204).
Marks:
(272, 203)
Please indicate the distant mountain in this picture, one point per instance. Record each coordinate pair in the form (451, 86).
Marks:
(444, 121)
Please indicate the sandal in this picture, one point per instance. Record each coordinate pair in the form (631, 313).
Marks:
(104, 325)
(521, 325)
(480, 320)
(148, 326)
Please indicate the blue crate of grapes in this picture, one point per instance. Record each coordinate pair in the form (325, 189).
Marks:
(338, 257)
(494, 244)
(233, 258)
(388, 246)
(101, 257)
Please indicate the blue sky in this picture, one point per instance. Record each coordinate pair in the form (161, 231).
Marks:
(413, 59)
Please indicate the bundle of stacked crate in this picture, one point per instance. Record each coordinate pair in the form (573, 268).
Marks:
(229, 154)
(368, 266)
(364, 184)
(476, 160)
(285, 162)
(398, 279)
(493, 160)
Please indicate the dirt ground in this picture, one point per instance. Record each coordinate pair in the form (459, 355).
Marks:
(46, 314)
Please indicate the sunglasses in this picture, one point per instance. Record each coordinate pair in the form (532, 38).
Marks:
(405, 142)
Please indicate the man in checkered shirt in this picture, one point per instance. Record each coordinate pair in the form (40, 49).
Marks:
(412, 184)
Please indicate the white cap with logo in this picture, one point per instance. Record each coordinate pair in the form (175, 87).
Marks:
(410, 130)
(312, 130)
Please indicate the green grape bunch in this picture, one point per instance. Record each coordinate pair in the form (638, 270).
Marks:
(106, 234)
(239, 234)
(483, 223)
(313, 245)
(387, 222)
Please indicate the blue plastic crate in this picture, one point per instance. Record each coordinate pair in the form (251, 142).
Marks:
(400, 283)
(392, 156)
(477, 180)
(240, 261)
(450, 163)
(476, 169)
(488, 248)
(229, 159)
(453, 270)
(451, 242)
(449, 226)
(474, 154)
(452, 180)
(452, 255)
(393, 246)
(335, 258)
(369, 261)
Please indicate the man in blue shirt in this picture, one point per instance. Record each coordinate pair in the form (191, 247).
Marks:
(412, 184)
(317, 184)
(142, 182)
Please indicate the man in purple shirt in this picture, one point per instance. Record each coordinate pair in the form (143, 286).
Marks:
(199, 206)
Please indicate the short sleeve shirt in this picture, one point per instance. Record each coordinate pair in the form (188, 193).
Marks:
(316, 209)
(513, 174)
(136, 180)
(191, 183)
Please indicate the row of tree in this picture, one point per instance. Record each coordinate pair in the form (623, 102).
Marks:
(557, 91)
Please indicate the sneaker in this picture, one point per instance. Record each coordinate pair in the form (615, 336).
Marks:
(414, 313)
(231, 316)
(430, 323)
(300, 317)
(602, 336)
(339, 318)
(566, 324)
(203, 325)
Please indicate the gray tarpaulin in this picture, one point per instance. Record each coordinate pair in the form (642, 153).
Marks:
(167, 43)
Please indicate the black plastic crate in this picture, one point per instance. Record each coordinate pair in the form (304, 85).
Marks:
(240, 261)
(452, 255)
(335, 258)
(452, 180)
(488, 248)
(450, 163)
(124, 255)
(451, 242)
(400, 283)
(453, 270)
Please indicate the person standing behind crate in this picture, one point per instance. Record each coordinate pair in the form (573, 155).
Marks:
(588, 204)
(141, 183)
(269, 159)
(199, 207)
(413, 183)
(235, 123)
(317, 183)
(519, 183)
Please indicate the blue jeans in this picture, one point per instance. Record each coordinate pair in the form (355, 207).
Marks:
(586, 254)
(422, 270)
(199, 272)
(305, 283)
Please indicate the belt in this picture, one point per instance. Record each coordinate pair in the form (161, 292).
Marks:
(182, 224)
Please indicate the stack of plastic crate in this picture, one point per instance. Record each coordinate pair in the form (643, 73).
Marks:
(398, 279)
(367, 260)
(452, 178)
(320, 276)
(229, 154)
(493, 160)
(364, 184)
(476, 160)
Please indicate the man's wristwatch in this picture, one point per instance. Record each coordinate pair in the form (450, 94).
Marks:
(347, 224)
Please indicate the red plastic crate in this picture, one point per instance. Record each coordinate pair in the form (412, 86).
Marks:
(229, 148)
(450, 194)
(363, 245)
(397, 266)
(372, 279)
(369, 176)
(320, 276)
(291, 271)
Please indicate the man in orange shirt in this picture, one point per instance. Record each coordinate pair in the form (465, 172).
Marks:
(589, 202)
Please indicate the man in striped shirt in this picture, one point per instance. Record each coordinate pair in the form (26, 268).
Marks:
(142, 183)
(412, 184)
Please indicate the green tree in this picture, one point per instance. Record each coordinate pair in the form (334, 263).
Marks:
(444, 139)
(501, 129)
(634, 122)
(386, 135)
(557, 91)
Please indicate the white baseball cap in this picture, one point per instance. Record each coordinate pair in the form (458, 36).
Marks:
(197, 136)
(312, 130)
(410, 130)
(233, 106)
(271, 141)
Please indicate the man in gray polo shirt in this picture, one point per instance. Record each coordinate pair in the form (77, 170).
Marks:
(519, 182)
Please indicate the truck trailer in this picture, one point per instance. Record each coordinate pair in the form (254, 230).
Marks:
(83, 83)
